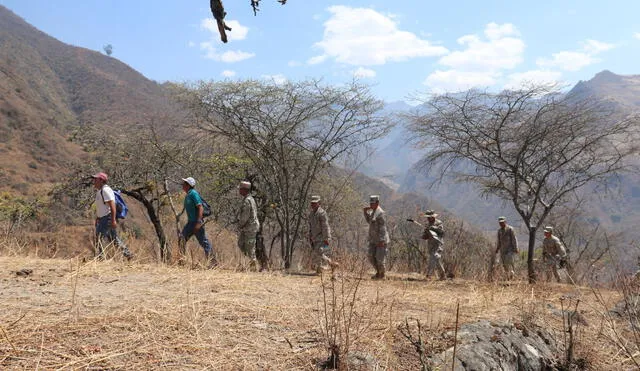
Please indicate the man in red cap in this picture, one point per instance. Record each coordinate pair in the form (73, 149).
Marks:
(106, 222)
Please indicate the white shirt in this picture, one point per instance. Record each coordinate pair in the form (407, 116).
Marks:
(102, 207)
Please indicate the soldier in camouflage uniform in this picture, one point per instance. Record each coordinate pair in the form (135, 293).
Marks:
(378, 236)
(553, 253)
(319, 235)
(434, 224)
(507, 245)
(434, 245)
(248, 223)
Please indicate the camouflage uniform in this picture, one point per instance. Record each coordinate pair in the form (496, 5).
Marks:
(507, 244)
(378, 235)
(436, 226)
(552, 252)
(434, 247)
(319, 232)
(248, 226)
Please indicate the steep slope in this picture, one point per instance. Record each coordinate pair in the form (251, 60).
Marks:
(47, 89)
(624, 91)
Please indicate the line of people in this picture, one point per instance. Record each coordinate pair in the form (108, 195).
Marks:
(554, 253)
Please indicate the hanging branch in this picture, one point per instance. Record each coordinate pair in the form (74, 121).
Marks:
(217, 9)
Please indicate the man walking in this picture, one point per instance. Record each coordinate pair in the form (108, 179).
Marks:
(319, 235)
(248, 223)
(553, 253)
(434, 247)
(106, 223)
(378, 236)
(194, 207)
(507, 245)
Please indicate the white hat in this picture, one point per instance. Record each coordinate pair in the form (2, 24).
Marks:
(190, 181)
(374, 199)
(315, 199)
(244, 185)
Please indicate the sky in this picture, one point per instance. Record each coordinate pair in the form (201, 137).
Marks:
(402, 48)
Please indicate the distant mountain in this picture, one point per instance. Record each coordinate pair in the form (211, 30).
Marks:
(393, 154)
(624, 91)
(618, 210)
(47, 89)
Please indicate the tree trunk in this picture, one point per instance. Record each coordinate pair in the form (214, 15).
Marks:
(532, 244)
(165, 254)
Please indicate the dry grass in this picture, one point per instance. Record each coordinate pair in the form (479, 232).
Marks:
(70, 315)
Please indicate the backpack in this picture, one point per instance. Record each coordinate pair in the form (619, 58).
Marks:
(121, 207)
(206, 209)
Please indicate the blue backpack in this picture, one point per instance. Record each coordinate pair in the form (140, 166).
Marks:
(121, 207)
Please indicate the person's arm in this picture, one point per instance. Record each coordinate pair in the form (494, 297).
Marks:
(382, 229)
(326, 230)
(112, 207)
(244, 214)
(561, 250)
(367, 215)
(199, 221)
(438, 228)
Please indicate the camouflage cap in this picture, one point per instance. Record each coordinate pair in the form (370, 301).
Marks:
(244, 185)
(374, 199)
(315, 199)
(502, 219)
(548, 229)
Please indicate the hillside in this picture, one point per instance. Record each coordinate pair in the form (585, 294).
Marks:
(48, 89)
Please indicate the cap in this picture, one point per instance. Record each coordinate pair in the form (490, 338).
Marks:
(502, 219)
(430, 214)
(548, 229)
(102, 176)
(315, 199)
(374, 199)
(190, 181)
(244, 185)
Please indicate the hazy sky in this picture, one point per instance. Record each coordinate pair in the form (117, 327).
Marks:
(401, 47)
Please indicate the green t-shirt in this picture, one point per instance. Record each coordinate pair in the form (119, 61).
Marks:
(192, 200)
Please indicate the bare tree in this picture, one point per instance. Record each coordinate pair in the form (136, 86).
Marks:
(289, 132)
(532, 147)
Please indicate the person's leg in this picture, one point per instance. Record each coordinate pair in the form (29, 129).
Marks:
(316, 256)
(204, 242)
(441, 273)
(381, 258)
(430, 264)
(187, 231)
(101, 230)
(371, 255)
(247, 244)
(556, 274)
(507, 264)
(112, 235)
